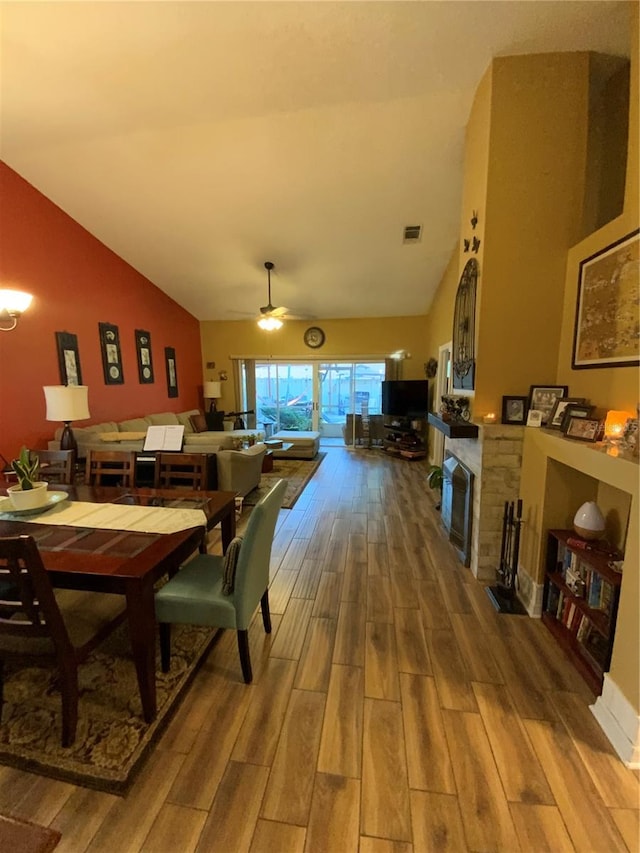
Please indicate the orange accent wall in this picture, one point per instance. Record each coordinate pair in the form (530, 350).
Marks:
(77, 282)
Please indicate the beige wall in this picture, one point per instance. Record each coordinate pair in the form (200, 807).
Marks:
(377, 337)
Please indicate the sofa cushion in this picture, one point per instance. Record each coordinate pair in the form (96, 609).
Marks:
(122, 436)
(198, 423)
(90, 431)
(163, 419)
(208, 439)
(134, 425)
(184, 418)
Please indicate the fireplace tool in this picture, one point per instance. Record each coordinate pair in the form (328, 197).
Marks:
(503, 594)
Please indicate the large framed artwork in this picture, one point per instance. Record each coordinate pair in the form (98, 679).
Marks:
(172, 371)
(145, 361)
(111, 356)
(68, 358)
(607, 311)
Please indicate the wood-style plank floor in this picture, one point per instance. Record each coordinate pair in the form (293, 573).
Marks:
(392, 709)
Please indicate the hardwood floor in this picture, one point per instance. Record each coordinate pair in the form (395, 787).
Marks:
(392, 709)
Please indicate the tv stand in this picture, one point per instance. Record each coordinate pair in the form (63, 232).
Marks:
(405, 437)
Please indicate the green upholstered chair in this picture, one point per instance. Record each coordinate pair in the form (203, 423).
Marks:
(194, 596)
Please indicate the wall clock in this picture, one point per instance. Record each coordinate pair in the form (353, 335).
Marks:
(314, 337)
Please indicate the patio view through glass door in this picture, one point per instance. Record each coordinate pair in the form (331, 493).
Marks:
(315, 395)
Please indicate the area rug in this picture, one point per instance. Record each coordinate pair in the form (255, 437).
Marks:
(297, 473)
(112, 739)
(22, 836)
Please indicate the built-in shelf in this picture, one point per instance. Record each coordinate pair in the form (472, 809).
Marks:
(454, 429)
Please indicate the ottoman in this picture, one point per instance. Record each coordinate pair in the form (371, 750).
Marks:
(305, 444)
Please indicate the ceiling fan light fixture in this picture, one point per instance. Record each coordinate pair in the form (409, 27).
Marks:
(270, 324)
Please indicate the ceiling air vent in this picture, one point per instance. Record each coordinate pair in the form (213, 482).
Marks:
(412, 234)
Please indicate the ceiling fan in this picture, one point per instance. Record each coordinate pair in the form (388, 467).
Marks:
(270, 310)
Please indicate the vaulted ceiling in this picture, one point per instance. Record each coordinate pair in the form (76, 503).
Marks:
(200, 139)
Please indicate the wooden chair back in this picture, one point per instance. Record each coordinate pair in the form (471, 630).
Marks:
(32, 623)
(56, 466)
(110, 468)
(181, 469)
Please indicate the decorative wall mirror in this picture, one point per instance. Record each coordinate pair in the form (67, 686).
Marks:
(464, 329)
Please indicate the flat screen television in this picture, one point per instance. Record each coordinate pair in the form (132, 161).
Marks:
(405, 398)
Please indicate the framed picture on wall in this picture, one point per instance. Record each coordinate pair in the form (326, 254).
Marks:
(607, 311)
(145, 361)
(68, 358)
(111, 355)
(172, 371)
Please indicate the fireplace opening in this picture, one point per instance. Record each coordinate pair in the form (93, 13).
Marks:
(457, 504)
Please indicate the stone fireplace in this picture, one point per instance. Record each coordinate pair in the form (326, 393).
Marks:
(494, 459)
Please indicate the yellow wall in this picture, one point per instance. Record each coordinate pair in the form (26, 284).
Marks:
(377, 337)
(536, 181)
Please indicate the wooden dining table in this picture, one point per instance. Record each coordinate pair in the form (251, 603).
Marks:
(126, 562)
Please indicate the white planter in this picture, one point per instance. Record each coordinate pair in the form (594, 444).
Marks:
(29, 499)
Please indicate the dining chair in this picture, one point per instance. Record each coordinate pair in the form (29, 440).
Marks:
(110, 467)
(197, 595)
(39, 624)
(56, 466)
(181, 469)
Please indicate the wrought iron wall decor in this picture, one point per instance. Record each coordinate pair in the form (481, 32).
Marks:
(464, 328)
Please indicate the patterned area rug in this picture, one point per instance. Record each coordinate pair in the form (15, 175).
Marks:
(22, 836)
(112, 738)
(297, 473)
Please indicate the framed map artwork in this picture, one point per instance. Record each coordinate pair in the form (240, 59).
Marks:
(607, 313)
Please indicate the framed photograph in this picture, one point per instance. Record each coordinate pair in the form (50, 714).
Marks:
(68, 358)
(557, 413)
(583, 429)
(574, 410)
(172, 371)
(534, 418)
(145, 362)
(543, 398)
(514, 410)
(607, 311)
(111, 356)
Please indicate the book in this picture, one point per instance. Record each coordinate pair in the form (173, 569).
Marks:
(595, 588)
(168, 437)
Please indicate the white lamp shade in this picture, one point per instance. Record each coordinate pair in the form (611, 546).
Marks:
(67, 402)
(212, 390)
(14, 301)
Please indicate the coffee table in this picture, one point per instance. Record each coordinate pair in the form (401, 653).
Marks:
(267, 459)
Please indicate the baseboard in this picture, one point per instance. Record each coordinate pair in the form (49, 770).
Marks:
(619, 721)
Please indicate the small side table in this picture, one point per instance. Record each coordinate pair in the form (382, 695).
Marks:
(267, 462)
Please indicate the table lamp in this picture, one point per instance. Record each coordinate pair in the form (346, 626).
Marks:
(212, 391)
(67, 403)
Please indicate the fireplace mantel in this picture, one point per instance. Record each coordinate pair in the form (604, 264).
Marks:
(453, 429)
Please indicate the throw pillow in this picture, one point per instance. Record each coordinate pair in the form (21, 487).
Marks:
(199, 423)
(229, 565)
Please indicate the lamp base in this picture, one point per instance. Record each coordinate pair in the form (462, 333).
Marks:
(67, 439)
(212, 406)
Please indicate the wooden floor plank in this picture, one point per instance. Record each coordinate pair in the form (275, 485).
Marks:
(450, 671)
(314, 668)
(586, 817)
(437, 824)
(271, 837)
(485, 812)
(541, 828)
(339, 798)
(341, 742)
(381, 662)
(288, 795)
(349, 646)
(411, 644)
(385, 791)
(176, 828)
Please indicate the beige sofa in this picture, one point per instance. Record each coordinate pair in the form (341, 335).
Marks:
(238, 470)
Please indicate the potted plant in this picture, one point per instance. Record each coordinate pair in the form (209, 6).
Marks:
(434, 480)
(30, 492)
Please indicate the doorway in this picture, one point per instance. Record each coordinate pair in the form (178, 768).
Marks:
(314, 395)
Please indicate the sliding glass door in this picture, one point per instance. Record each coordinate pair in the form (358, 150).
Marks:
(315, 395)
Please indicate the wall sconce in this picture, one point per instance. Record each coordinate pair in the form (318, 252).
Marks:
(615, 424)
(67, 403)
(212, 391)
(12, 304)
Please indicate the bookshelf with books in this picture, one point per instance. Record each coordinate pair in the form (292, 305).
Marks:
(580, 601)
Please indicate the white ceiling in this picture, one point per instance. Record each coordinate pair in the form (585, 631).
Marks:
(199, 139)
